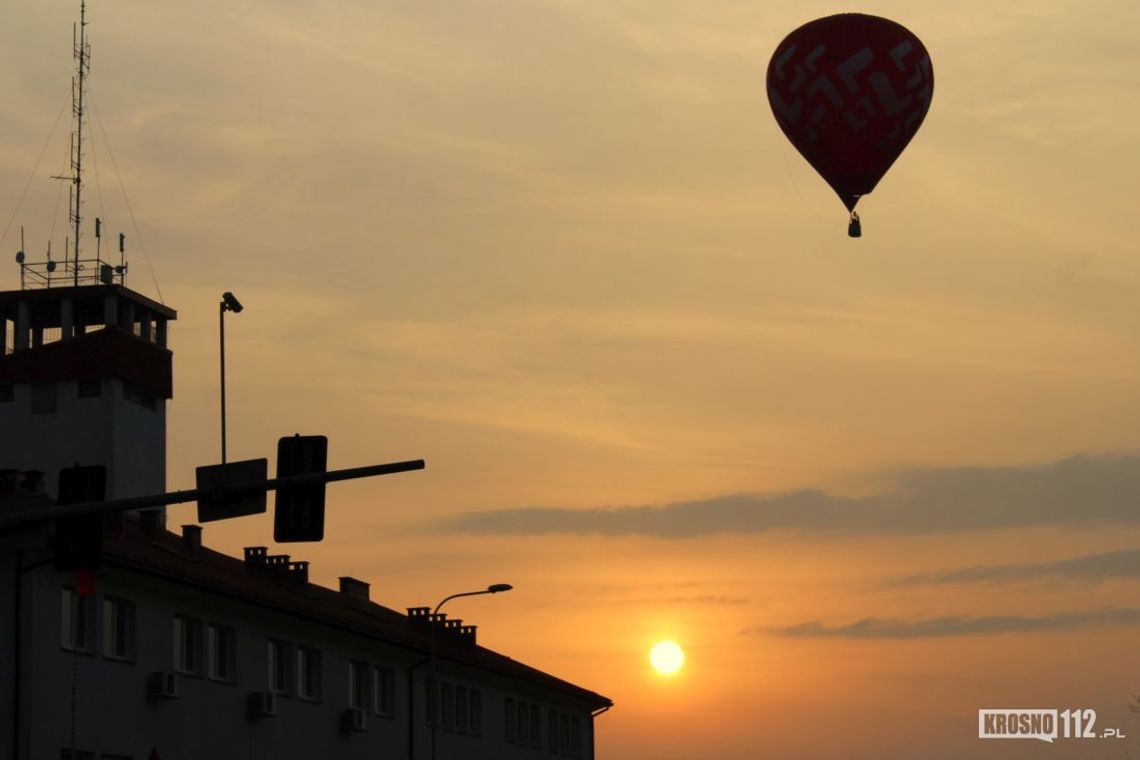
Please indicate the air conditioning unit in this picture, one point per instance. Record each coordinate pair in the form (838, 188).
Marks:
(261, 704)
(354, 719)
(162, 685)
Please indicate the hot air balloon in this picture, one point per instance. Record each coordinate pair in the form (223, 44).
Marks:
(850, 91)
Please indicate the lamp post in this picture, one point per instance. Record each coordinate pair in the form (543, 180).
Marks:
(433, 688)
(228, 303)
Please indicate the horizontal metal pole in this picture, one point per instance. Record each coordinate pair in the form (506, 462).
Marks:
(32, 516)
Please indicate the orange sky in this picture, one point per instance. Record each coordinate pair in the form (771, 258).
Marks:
(560, 250)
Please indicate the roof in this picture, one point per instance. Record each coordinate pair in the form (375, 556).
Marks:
(87, 300)
(164, 554)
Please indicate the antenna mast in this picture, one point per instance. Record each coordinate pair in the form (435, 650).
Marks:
(82, 53)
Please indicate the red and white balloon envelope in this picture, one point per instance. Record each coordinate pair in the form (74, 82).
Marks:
(850, 91)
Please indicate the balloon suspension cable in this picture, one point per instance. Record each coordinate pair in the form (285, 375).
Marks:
(854, 226)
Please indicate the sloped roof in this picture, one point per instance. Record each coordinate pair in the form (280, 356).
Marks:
(167, 555)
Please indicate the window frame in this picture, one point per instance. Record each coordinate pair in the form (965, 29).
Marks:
(118, 626)
(187, 646)
(462, 704)
(447, 705)
(536, 726)
(224, 655)
(383, 691)
(475, 712)
(552, 730)
(76, 607)
(564, 733)
(308, 673)
(359, 685)
(280, 667)
(510, 720)
(522, 724)
(575, 736)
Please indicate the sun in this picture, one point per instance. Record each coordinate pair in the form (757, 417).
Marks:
(667, 657)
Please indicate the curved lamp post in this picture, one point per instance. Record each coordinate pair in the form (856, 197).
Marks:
(228, 303)
(433, 690)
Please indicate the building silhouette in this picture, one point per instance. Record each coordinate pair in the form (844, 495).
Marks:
(173, 650)
(170, 649)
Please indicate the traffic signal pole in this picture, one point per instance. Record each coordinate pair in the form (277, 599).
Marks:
(16, 521)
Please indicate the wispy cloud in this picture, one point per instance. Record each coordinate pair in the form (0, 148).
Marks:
(1119, 564)
(700, 600)
(954, 625)
(710, 599)
(1079, 490)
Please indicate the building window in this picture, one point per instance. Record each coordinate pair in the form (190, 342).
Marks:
(564, 733)
(510, 717)
(447, 705)
(357, 685)
(77, 620)
(523, 720)
(308, 673)
(280, 667)
(7, 393)
(535, 726)
(461, 709)
(523, 723)
(475, 713)
(220, 649)
(44, 400)
(90, 388)
(552, 730)
(431, 707)
(187, 645)
(138, 395)
(468, 710)
(118, 628)
(575, 736)
(383, 688)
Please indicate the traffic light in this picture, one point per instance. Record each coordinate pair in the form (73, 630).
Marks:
(299, 514)
(79, 539)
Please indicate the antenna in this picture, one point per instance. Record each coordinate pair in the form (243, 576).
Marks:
(20, 257)
(82, 53)
(122, 259)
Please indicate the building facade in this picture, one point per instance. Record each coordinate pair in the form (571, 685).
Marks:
(172, 650)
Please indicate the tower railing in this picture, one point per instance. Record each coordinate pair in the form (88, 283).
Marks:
(48, 274)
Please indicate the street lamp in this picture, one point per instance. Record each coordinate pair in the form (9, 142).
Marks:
(228, 303)
(433, 689)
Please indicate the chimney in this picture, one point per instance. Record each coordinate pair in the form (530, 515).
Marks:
(418, 617)
(298, 572)
(357, 589)
(192, 537)
(255, 556)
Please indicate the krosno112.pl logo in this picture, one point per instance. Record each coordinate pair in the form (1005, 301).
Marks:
(1043, 725)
